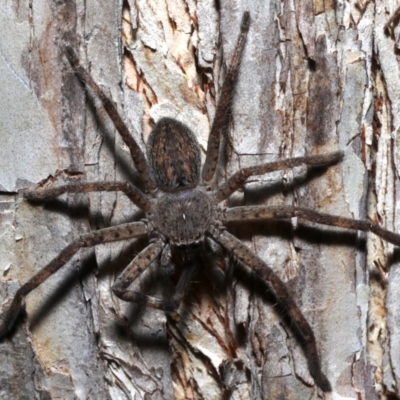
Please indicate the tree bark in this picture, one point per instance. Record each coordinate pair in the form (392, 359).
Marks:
(316, 77)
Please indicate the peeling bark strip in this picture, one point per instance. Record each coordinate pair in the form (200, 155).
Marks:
(306, 26)
(229, 341)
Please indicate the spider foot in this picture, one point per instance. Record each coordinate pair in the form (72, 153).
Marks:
(34, 195)
(9, 312)
(245, 23)
(320, 379)
(71, 55)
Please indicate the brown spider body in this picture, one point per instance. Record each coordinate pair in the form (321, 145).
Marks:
(180, 198)
(182, 211)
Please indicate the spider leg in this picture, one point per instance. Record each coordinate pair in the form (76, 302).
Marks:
(120, 232)
(248, 258)
(227, 92)
(392, 19)
(237, 180)
(136, 152)
(136, 267)
(275, 212)
(135, 195)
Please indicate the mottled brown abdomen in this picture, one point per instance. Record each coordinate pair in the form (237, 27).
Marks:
(174, 156)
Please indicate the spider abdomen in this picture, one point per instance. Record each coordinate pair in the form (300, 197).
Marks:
(183, 217)
(174, 156)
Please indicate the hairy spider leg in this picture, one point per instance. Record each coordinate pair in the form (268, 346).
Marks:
(249, 259)
(136, 152)
(137, 266)
(248, 213)
(135, 195)
(116, 233)
(227, 92)
(237, 180)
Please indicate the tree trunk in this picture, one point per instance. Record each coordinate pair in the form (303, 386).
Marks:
(315, 77)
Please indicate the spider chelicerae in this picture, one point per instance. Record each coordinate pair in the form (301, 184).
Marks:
(182, 209)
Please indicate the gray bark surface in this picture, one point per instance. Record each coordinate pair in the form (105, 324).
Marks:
(315, 77)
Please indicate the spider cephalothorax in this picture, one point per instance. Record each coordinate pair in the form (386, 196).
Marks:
(182, 206)
(183, 217)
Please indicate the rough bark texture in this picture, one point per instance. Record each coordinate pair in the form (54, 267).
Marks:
(316, 76)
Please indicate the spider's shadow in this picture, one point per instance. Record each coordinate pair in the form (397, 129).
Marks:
(279, 228)
(259, 194)
(80, 210)
(123, 164)
(87, 266)
(260, 289)
(62, 289)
